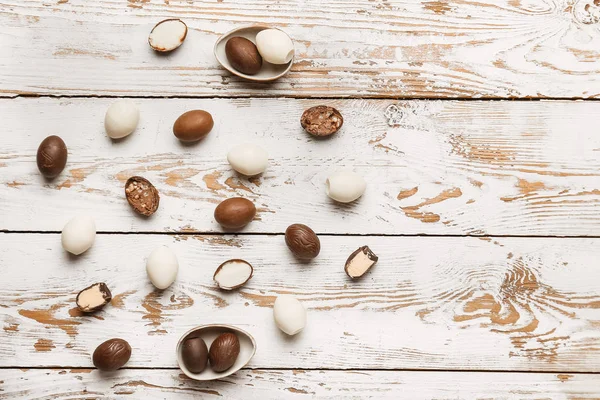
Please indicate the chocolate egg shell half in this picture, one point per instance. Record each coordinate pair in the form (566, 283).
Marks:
(194, 353)
(111, 355)
(302, 241)
(321, 121)
(223, 352)
(243, 55)
(51, 156)
(235, 213)
(193, 125)
(141, 195)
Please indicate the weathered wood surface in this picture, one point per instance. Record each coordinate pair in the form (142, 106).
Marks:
(382, 48)
(296, 384)
(503, 168)
(430, 303)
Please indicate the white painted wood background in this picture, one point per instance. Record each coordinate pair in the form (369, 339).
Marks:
(408, 48)
(451, 168)
(485, 214)
(435, 302)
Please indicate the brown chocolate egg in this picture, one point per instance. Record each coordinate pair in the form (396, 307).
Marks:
(112, 355)
(194, 353)
(243, 55)
(193, 125)
(235, 213)
(302, 241)
(52, 156)
(223, 352)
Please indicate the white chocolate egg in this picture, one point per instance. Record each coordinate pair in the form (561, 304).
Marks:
(345, 186)
(248, 159)
(78, 234)
(275, 46)
(162, 267)
(121, 119)
(289, 314)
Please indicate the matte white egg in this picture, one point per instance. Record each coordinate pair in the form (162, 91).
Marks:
(121, 119)
(78, 234)
(275, 46)
(162, 267)
(289, 314)
(248, 159)
(345, 186)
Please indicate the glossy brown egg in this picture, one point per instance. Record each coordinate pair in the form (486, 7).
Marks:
(302, 241)
(243, 55)
(235, 213)
(223, 352)
(193, 125)
(52, 156)
(194, 353)
(112, 355)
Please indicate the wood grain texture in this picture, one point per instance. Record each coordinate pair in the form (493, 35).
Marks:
(296, 384)
(429, 303)
(380, 48)
(452, 167)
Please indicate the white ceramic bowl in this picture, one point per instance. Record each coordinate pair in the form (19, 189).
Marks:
(268, 71)
(210, 333)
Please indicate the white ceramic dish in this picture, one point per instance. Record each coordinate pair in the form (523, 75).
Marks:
(210, 333)
(268, 72)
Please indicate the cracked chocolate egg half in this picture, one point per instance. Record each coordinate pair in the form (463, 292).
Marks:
(167, 35)
(360, 262)
(93, 298)
(141, 195)
(321, 121)
(233, 274)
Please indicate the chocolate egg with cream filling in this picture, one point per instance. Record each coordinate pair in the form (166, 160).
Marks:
(93, 298)
(233, 274)
(360, 262)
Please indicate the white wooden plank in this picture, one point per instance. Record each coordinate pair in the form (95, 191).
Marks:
(500, 168)
(430, 303)
(296, 384)
(391, 48)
